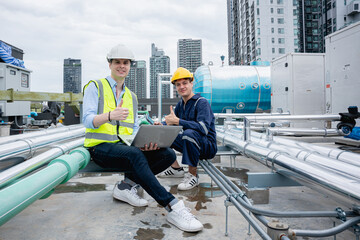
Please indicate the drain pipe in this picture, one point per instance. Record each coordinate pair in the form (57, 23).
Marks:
(21, 194)
(28, 147)
(48, 131)
(10, 175)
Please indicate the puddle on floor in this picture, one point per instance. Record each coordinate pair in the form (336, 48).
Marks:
(149, 234)
(201, 194)
(239, 173)
(76, 187)
(137, 210)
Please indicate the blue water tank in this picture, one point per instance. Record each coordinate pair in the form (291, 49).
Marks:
(243, 89)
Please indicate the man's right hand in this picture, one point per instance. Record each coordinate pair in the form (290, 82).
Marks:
(119, 113)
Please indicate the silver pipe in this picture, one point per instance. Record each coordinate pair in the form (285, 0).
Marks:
(326, 232)
(342, 155)
(28, 147)
(9, 175)
(300, 171)
(330, 164)
(160, 76)
(307, 131)
(241, 115)
(245, 214)
(48, 131)
(244, 201)
(327, 117)
(246, 129)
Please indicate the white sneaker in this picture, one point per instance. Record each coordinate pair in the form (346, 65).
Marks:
(171, 172)
(181, 217)
(189, 182)
(129, 196)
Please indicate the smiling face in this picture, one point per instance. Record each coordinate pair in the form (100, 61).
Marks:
(119, 68)
(184, 88)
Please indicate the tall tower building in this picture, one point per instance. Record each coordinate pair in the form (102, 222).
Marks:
(267, 29)
(159, 63)
(189, 54)
(233, 32)
(136, 79)
(72, 75)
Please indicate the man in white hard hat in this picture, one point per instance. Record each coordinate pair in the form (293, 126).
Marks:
(110, 108)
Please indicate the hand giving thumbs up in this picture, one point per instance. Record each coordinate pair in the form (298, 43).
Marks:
(171, 119)
(120, 113)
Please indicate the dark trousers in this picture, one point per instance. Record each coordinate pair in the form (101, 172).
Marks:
(139, 166)
(194, 147)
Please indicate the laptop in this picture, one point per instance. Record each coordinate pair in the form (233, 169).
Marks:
(163, 135)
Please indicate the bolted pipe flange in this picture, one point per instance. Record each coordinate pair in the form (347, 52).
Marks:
(341, 214)
(276, 229)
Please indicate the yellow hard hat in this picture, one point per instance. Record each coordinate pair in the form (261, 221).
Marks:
(181, 73)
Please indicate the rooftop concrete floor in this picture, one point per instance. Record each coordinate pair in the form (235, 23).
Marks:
(84, 208)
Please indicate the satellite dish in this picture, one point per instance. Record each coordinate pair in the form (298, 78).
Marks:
(232, 59)
(210, 63)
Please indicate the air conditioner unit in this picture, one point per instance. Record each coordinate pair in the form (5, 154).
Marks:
(353, 7)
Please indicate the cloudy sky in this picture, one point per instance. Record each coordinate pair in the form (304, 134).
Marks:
(50, 31)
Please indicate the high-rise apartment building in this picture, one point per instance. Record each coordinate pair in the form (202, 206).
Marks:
(262, 30)
(233, 32)
(72, 75)
(136, 79)
(189, 53)
(159, 63)
(319, 18)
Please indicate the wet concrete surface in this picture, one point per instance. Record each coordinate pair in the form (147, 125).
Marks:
(84, 208)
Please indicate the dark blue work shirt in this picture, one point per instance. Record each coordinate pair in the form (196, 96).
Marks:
(196, 114)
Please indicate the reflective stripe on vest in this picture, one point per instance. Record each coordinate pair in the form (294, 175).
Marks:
(108, 132)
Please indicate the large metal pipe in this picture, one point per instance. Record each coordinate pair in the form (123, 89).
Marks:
(331, 164)
(241, 115)
(21, 194)
(346, 188)
(10, 175)
(27, 147)
(342, 155)
(327, 117)
(307, 131)
(48, 131)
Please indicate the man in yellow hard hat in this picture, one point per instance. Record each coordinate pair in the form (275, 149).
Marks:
(110, 108)
(198, 140)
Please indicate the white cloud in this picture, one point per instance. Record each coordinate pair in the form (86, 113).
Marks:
(50, 31)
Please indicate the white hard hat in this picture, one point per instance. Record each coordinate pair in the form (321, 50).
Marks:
(120, 51)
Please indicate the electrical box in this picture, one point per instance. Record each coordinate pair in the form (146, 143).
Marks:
(298, 85)
(343, 69)
(18, 79)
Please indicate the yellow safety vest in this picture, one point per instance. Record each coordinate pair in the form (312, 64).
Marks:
(108, 132)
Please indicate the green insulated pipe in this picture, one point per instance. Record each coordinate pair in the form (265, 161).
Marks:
(21, 194)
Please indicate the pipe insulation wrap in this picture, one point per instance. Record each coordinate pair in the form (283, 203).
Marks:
(21, 194)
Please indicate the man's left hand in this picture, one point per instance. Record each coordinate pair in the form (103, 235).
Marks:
(150, 147)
